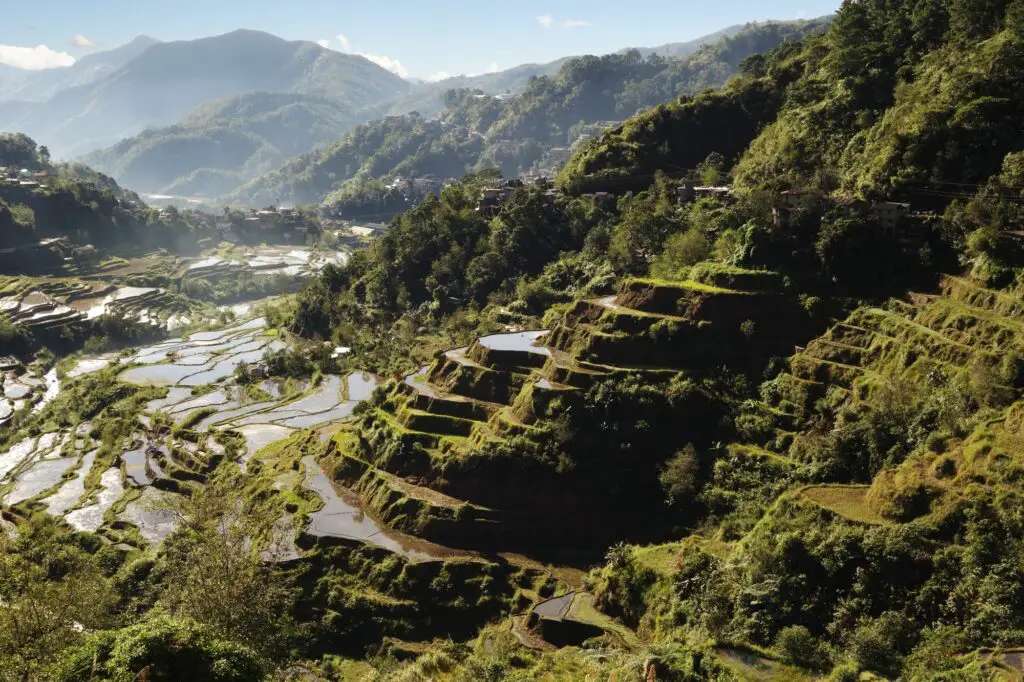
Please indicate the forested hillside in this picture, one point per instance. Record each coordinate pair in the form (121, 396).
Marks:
(77, 202)
(222, 144)
(892, 102)
(478, 132)
(850, 508)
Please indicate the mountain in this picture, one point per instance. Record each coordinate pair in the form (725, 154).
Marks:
(428, 98)
(761, 436)
(169, 79)
(479, 131)
(679, 50)
(908, 111)
(223, 144)
(39, 86)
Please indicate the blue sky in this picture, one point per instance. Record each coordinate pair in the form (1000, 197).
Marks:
(411, 37)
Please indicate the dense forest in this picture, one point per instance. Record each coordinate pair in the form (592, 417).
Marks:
(478, 132)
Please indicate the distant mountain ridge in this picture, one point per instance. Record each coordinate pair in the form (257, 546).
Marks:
(167, 80)
(477, 132)
(222, 144)
(39, 86)
(203, 117)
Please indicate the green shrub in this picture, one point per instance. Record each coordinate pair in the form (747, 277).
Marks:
(799, 647)
(881, 644)
(170, 649)
(681, 251)
(847, 672)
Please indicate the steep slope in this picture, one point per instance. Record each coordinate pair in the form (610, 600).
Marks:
(69, 201)
(169, 79)
(516, 134)
(222, 144)
(896, 103)
(39, 86)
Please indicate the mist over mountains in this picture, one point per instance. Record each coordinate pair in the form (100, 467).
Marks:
(204, 118)
(167, 80)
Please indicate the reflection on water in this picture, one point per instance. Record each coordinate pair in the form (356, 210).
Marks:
(343, 518)
(90, 518)
(15, 455)
(258, 436)
(69, 493)
(159, 375)
(214, 398)
(325, 397)
(361, 385)
(522, 341)
(309, 420)
(135, 467)
(90, 365)
(152, 515)
(174, 395)
(225, 415)
(42, 476)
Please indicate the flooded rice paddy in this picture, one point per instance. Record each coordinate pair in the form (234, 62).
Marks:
(68, 475)
(71, 492)
(53, 469)
(342, 517)
(89, 518)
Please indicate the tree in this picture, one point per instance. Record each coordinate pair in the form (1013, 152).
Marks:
(711, 169)
(647, 220)
(680, 477)
(50, 591)
(161, 649)
(682, 250)
(801, 648)
(218, 578)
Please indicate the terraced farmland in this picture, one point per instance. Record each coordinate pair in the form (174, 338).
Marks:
(421, 459)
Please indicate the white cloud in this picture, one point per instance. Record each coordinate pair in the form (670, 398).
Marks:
(548, 21)
(79, 40)
(34, 58)
(392, 65)
(491, 68)
(323, 42)
(439, 76)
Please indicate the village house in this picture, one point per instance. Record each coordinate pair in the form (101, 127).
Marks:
(492, 198)
(368, 229)
(891, 215)
(691, 191)
(895, 218)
